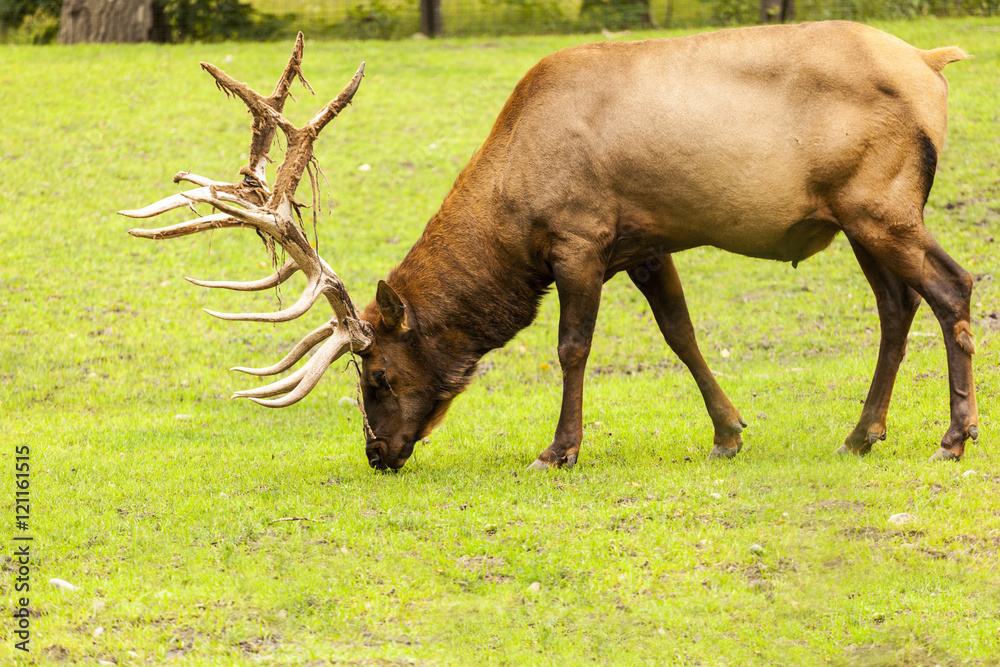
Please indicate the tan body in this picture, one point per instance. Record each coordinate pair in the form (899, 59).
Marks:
(741, 139)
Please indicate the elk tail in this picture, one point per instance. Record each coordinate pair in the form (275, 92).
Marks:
(936, 59)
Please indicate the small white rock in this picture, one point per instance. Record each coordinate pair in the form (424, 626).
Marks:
(901, 518)
(968, 473)
(365, 167)
(756, 550)
(535, 586)
(63, 584)
(725, 353)
(183, 418)
(97, 632)
(347, 400)
(223, 495)
(715, 495)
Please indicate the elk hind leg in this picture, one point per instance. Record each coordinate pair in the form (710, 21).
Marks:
(658, 281)
(897, 304)
(909, 251)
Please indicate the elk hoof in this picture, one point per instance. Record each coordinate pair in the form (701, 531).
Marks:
(943, 454)
(737, 425)
(570, 461)
(843, 450)
(720, 452)
(974, 432)
(538, 465)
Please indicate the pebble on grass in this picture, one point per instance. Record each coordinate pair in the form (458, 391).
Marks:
(901, 518)
(535, 586)
(756, 550)
(63, 584)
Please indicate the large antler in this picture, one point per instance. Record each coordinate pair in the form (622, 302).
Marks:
(273, 214)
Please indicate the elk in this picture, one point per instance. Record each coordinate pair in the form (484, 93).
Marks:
(610, 157)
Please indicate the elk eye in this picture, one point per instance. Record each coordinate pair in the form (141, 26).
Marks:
(379, 377)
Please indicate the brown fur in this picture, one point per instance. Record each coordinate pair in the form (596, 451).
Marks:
(609, 157)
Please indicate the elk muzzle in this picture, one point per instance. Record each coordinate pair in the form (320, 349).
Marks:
(388, 454)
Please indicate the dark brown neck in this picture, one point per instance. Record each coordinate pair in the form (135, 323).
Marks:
(468, 281)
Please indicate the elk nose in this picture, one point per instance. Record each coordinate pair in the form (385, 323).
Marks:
(375, 450)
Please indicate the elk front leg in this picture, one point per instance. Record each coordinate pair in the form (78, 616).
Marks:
(658, 281)
(897, 304)
(579, 287)
(911, 253)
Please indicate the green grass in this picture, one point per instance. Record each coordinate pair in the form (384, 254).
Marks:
(167, 524)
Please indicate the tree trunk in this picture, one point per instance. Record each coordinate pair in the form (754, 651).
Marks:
(105, 21)
(772, 11)
(430, 17)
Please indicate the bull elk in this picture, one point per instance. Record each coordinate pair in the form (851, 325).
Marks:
(765, 141)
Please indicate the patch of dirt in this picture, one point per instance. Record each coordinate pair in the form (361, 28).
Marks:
(873, 534)
(617, 369)
(56, 652)
(904, 652)
(258, 644)
(834, 563)
(490, 568)
(834, 504)
(991, 322)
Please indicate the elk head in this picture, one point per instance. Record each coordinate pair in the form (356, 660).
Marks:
(398, 417)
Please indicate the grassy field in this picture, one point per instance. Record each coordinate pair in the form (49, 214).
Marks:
(160, 499)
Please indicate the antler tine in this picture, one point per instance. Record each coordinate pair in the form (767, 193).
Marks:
(318, 334)
(197, 180)
(260, 106)
(302, 381)
(277, 278)
(179, 200)
(312, 292)
(214, 221)
(299, 151)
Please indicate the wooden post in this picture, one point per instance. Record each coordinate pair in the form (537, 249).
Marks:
(430, 17)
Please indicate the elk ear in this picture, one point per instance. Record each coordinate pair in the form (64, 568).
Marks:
(391, 307)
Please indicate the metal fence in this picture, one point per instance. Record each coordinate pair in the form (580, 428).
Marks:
(402, 18)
